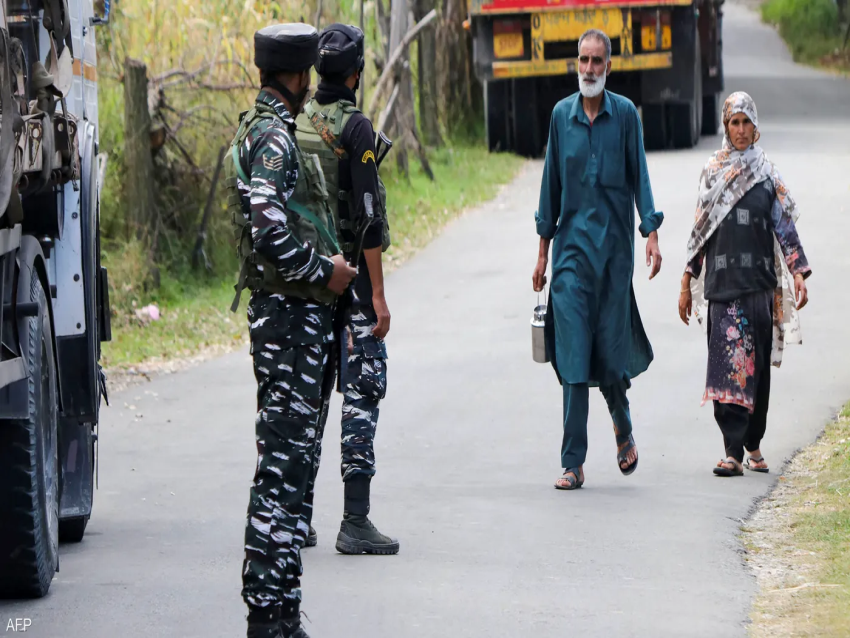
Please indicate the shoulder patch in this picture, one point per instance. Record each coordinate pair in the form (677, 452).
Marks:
(368, 155)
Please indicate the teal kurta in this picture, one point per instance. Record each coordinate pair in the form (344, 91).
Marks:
(593, 177)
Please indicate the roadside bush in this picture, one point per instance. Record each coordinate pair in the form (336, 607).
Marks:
(811, 28)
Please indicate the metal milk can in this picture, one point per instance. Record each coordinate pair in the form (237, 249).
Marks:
(538, 337)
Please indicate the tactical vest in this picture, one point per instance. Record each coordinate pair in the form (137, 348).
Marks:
(319, 130)
(309, 219)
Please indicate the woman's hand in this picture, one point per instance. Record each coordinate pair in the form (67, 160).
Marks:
(801, 293)
(685, 300)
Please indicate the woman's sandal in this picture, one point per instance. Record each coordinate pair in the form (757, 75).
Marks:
(623, 449)
(752, 468)
(725, 471)
(574, 479)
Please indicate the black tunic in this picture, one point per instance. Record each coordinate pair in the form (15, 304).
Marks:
(358, 175)
(739, 256)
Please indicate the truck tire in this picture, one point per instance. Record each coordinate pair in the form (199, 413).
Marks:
(29, 469)
(529, 128)
(654, 127)
(687, 118)
(496, 115)
(711, 110)
(72, 530)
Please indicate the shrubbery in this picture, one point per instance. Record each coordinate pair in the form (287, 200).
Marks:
(811, 28)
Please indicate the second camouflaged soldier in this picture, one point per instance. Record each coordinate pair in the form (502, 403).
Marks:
(290, 261)
(332, 127)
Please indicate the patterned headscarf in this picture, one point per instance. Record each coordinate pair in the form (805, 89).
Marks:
(727, 176)
(740, 102)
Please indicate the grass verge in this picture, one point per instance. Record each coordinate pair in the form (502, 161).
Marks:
(811, 29)
(195, 313)
(798, 543)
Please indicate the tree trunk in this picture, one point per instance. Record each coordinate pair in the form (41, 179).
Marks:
(428, 109)
(460, 94)
(138, 180)
(399, 22)
(383, 22)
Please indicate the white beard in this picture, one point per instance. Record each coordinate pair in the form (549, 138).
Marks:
(591, 90)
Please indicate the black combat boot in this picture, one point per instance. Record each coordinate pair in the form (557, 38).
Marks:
(312, 538)
(264, 622)
(291, 628)
(357, 535)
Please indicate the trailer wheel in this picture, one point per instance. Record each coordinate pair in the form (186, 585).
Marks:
(29, 470)
(654, 127)
(529, 128)
(711, 114)
(687, 118)
(72, 530)
(496, 115)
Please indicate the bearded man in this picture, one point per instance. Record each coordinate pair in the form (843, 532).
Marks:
(595, 173)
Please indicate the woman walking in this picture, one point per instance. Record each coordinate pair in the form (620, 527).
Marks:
(745, 243)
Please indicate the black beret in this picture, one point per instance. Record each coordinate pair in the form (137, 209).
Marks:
(291, 47)
(340, 51)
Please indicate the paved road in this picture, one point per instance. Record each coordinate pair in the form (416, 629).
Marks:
(468, 445)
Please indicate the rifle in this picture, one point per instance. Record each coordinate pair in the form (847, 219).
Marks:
(383, 141)
(348, 303)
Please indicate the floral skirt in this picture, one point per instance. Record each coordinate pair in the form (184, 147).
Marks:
(740, 335)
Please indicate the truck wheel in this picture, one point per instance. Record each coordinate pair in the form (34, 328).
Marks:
(654, 128)
(711, 114)
(685, 125)
(72, 530)
(496, 115)
(687, 118)
(29, 470)
(527, 139)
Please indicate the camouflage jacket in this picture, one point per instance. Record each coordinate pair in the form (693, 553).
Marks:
(268, 152)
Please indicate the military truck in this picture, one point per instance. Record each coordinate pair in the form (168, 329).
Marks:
(55, 307)
(666, 57)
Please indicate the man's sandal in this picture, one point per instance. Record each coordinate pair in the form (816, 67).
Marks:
(725, 471)
(573, 478)
(752, 468)
(623, 449)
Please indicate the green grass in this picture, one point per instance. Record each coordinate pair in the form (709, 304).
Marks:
(191, 320)
(195, 311)
(811, 538)
(825, 529)
(811, 28)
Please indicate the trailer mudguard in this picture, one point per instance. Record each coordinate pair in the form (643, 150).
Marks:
(78, 355)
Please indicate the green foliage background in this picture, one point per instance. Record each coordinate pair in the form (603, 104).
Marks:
(811, 28)
(180, 38)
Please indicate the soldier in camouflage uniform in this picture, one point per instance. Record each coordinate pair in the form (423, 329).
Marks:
(291, 262)
(342, 137)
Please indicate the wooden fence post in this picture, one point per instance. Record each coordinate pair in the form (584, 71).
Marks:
(138, 162)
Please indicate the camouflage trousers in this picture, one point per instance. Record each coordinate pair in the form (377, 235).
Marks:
(364, 383)
(293, 393)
